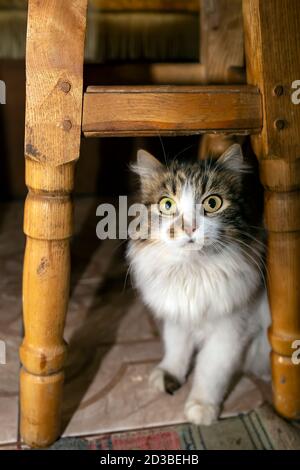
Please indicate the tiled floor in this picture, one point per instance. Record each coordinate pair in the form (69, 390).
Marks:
(113, 341)
(260, 429)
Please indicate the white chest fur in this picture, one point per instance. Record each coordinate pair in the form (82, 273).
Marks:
(189, 286)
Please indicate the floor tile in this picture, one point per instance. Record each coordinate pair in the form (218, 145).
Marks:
(113, 341)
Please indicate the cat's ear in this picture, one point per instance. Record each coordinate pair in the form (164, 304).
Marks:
(233, 159)
(146, 165)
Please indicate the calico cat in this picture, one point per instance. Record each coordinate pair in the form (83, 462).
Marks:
(204, 279)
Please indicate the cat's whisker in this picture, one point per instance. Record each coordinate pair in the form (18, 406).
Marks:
(126, 277)
(247, 234)
(258, 253)
(254, 250)
(226, 248)
(247, 245)
(257, 227)
(252, 259)
(119, 245)
(164, 151)
(184, 150)
(218, 247)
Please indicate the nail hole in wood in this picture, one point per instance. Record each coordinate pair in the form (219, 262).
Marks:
(67, 125)
(65, 86)
(279, 124)
(278, 90)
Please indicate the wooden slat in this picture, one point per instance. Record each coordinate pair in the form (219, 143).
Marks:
(170, 110)
(146, 5)
(222, 41)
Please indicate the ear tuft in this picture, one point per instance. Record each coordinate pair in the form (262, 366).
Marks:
(146, 165)
(233, 159)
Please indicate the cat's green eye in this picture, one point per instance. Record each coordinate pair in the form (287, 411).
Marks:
(167, 206)
(212, 203)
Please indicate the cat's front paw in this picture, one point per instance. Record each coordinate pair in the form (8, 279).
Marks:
(163, 381)
(198, 412)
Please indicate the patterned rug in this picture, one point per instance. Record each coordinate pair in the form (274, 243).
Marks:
(261, 429)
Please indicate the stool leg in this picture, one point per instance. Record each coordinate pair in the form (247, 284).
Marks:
(54, 77)
(273, 63)
(48, 225)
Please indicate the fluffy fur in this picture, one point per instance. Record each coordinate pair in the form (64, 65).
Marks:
(205, 281)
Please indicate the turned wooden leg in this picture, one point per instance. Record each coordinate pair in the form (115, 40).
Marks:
(48, 226)
(273, 63)
(54, 75)
(282, 212)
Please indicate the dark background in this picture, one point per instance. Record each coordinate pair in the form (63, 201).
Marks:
(103, 165)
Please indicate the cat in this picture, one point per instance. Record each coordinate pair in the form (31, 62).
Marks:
(204, 280)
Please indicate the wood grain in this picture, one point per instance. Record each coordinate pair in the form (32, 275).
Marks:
(273, 63)
(273, 59)
(54, 75)
(222, 41)
(48, 225)
(54, 69)
(119, 111)
(222, 57)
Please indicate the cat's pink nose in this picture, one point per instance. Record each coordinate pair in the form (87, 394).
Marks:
(190, 230)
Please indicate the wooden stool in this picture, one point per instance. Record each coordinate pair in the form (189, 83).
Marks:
(57, 112)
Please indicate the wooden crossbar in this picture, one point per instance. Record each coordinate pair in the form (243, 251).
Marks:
(171, 110)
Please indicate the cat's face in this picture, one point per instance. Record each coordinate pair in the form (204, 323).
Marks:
(193, 206)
